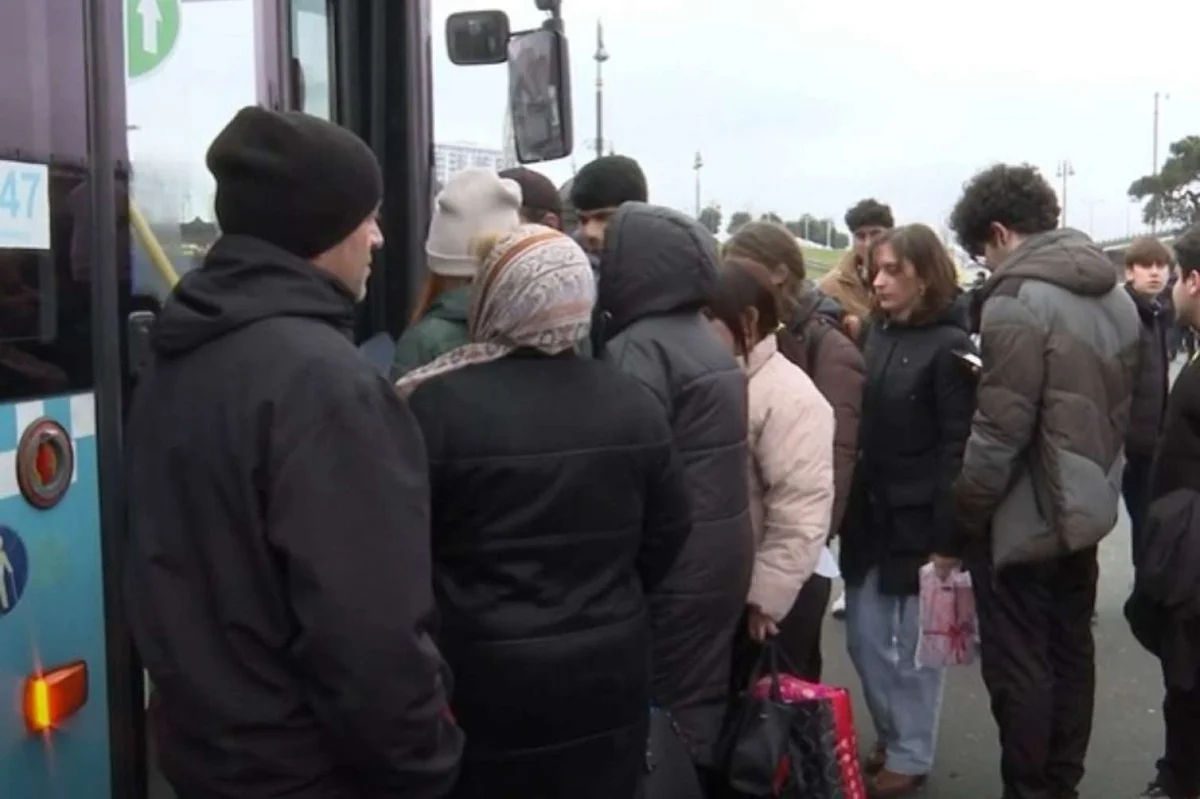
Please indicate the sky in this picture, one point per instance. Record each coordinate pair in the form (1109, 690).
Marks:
(797, 107)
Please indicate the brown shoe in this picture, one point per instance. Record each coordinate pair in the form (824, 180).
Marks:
(890, 785)
(876, 760)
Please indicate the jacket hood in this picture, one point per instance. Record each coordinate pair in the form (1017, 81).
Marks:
(814, 302)
(1064, 257)
(655, 261)
(244, 280)
(453, 305)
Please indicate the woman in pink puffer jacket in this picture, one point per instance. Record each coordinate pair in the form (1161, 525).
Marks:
(791, 432)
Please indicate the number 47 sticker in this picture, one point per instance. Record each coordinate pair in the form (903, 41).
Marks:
(24, 206)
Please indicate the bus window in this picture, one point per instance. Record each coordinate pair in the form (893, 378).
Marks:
(203, 69)
(311, 53)
(45, 292)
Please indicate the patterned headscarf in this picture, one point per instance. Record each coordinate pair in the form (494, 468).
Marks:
(535, 290)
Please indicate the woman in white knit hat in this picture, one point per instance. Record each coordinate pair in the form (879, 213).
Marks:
(557, 506)
(473, 201)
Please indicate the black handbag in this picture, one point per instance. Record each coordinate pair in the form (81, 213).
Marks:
(756, 746)
(670, 772)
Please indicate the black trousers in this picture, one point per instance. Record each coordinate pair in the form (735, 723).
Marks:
(799, 636)
(1135, 489)
(1179, 769)
(1038, 660)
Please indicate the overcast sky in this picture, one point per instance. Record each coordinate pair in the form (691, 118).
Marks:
(796, 106)
(803, 106)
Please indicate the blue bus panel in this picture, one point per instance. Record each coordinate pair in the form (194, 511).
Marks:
(52, 611)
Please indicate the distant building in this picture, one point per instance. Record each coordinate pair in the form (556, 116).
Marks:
(455, 157)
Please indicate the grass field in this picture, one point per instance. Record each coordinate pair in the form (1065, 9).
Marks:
(817, 261)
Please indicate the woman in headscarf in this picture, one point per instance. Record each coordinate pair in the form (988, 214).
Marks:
(557, 504)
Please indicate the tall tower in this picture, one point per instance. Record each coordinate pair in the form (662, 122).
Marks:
(600, 57)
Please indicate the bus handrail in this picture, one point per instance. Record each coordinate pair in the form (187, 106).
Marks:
(158, 256)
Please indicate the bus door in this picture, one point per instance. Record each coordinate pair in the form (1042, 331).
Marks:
(54, 692)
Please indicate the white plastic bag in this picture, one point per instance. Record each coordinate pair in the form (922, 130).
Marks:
(949, 626)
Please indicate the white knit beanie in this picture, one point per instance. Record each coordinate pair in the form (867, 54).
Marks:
(472, 202)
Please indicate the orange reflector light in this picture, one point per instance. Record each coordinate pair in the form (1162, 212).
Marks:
(54, 696)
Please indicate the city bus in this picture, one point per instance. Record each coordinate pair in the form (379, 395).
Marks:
(106, 110)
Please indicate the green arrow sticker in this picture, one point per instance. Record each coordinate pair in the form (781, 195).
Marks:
(151, 32)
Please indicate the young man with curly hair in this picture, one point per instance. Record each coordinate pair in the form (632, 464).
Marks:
(1041, 475)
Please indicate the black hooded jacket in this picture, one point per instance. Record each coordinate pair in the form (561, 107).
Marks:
(655, 273)
(278, 572)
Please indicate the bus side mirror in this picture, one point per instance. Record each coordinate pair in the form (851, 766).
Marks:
(539, 95)
(474, 38)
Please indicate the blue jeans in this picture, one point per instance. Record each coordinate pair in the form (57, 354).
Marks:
(904, 700)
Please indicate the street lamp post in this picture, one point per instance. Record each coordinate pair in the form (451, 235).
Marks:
(1065, 171)
(697, 165)
(601, 56)
(1158, 96)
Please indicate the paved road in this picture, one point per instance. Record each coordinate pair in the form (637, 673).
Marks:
(1128, 729)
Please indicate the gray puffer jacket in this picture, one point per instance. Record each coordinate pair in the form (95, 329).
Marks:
(1060, 342)
(655, 272)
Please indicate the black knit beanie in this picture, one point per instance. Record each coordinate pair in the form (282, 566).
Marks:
(607, 182)
(291, 179)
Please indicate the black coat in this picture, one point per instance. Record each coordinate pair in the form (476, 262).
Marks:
(277, 577)
(558, 503)
(1152, 382)
(916, 416)
(1164, 608)
(655, 272)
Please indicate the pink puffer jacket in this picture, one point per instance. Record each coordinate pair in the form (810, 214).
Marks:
(791, 476)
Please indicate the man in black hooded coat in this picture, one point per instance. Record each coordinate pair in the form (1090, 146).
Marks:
(278, 575)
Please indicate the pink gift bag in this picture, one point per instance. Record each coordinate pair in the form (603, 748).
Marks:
(948, 622)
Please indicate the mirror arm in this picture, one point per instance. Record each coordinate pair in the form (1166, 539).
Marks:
(555, 21)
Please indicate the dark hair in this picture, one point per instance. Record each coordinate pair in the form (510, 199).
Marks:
(921, 247)
(608, 181)
(1187, 250)
(869, 213)
(1147, 250)
(741, 284)
(771, 245)
(1017, 197)
(538, 194)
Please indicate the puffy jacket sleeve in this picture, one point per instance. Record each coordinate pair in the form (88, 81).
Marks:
(636, 358)
(839, 372)
(954, 397)
(1009, 395)
(348, 511)
(794, 454)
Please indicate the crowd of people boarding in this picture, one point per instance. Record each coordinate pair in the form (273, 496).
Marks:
(605, 471)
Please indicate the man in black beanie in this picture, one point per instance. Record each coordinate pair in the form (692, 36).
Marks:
(600, 188)
(278, 576)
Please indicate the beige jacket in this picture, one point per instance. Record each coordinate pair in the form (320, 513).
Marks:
(791, 477)
(845, 283)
